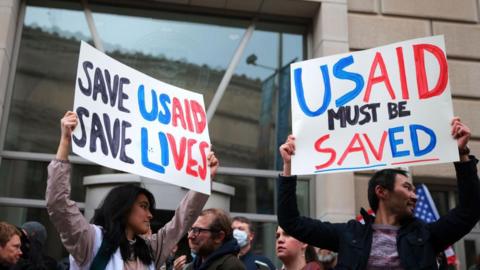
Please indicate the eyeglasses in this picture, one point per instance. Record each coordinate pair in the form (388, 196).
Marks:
(195, 231)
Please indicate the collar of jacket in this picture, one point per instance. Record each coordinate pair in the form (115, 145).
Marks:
(229, 247)
(366, 216)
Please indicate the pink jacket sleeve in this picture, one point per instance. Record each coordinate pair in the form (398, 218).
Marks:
(185, 215)
(77, 235)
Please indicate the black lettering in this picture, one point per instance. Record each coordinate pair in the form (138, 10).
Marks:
(374, 107)
(339, 115)
(86, 90)
(122, 95)
(112, 89)
(370, 116)
(81, 111)
(97, 133)
(125, 142)
(402, 110)
(351, 120)
(363, 111)
(113, 139)
(99, 86)
(392, 110)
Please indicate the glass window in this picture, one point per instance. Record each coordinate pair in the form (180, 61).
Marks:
(257, 194)
(28, 179)
(252, 194)
(249, 124)
(44, 80)
(191, 53)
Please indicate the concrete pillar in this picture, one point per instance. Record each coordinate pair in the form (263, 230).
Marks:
(9, 10)
(330, 29)
(334, 193)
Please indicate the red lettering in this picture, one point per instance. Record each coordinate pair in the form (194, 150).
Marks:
(199, 116)
(188, 115)
(422, 83)
(191, 162)
(377, 154)
(177, 113)
(403, 77)
(330, 151)
(178, 156)
(351, 148)
(202, 171)
(378, 61)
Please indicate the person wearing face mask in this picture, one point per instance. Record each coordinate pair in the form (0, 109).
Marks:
(327, 258)
(244, 233)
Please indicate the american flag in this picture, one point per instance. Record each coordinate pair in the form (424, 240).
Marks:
(426, 211)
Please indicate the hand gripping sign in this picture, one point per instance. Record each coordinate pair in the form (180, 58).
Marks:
(384, 107)
(131, 122)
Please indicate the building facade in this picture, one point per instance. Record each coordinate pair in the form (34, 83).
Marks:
(236, 53)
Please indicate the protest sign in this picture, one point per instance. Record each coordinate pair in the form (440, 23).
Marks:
(384, 107)
(131, 122)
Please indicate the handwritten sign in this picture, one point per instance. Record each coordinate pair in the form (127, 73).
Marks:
(131, 122)
(384, 107)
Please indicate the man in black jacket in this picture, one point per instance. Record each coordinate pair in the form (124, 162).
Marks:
(394, 239)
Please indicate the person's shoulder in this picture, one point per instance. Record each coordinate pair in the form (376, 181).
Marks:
(354, 224)
(313, 266)
(232, 262)
(261, 258)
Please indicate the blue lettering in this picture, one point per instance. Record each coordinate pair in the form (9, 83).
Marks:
(414, 136)
(346, 75)
(164, 117)
(152, 115)
(300, 93)
(164, 151)
(394, 142)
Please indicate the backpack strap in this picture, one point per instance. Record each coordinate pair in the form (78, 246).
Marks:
(101, 260)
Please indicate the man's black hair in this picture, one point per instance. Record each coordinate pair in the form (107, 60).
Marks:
(384, 178)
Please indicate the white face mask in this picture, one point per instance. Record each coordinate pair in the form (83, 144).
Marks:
(326, 258)
(241, 236)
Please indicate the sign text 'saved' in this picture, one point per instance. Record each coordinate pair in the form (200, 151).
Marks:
(384, 107)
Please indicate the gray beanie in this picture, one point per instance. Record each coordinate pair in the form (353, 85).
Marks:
(35, 230)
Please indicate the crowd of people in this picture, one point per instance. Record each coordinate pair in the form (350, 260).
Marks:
(119, 235)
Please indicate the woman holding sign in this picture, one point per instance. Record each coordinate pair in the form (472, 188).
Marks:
(116, 239)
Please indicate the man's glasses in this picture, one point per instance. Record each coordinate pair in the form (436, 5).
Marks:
(195, 231)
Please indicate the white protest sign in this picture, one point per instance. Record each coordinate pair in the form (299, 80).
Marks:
(384, 107)
(131, 122)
